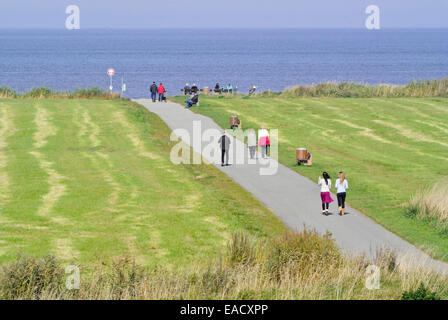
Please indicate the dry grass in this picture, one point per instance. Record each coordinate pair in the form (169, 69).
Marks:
(429, 88)
(296, 266)
(431, 204)
(44, 93)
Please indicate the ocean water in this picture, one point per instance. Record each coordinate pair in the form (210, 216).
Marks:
(270, 59)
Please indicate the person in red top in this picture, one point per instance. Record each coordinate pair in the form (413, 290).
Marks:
(161, 90)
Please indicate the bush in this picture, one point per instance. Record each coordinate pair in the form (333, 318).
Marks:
(29, 278)
(420, 294)
(125, 277)
(240, 251)
(431, 205)
(39, 93)
(434, 88)
(42, 92)
(302, 254)
(7, 92)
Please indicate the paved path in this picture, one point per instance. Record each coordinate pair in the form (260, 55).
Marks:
(294, 198)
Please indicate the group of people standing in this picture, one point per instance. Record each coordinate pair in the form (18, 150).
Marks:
(263, 142)
(160, 90)
(341, 186)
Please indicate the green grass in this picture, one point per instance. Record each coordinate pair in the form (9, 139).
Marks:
(389, 148)
(90, 180)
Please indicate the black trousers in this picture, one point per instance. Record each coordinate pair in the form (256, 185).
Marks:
(325, 206)
(341, 199)
(225, 153)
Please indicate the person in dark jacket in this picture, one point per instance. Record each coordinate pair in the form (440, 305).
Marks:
(191, 101)
(224, 142)
(195, 99)
(194, 88)
(153, 89)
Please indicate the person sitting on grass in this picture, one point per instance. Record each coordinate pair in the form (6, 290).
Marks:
(192, 100)
(195, 99)
(189, 102)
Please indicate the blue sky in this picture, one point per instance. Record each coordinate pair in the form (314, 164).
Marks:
(223, 14)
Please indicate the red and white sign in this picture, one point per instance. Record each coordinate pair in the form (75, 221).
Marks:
(110, 72)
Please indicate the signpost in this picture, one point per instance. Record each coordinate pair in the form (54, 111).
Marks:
(110, 73)
(123, 86)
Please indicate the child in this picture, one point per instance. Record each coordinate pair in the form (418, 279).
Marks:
(325, 186)
(341, 186)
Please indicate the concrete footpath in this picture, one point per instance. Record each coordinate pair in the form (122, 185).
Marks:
(292, 197)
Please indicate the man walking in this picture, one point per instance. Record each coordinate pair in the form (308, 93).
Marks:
(153, 90)
(224, 142)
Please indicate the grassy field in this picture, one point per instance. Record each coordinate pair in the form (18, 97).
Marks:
(389, 149)
(90, 180)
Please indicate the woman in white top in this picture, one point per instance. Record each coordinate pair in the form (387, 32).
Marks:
(325, 186)
(341, 186)
(252, 142)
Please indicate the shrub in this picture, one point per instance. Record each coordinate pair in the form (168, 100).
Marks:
(422, 293)
(302, 254)
(29, 278)
(240, 251)
(431, 205)
(125, 277)
(39, 93)
(7, 92)
(434, 88)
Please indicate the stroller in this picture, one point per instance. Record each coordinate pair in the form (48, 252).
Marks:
(164, 96)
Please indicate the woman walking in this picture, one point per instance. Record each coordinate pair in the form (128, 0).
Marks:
(325, 186)
(252, 142)
(341, 186)
(263, 141)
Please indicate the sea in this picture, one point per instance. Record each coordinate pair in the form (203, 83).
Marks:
(270, 59)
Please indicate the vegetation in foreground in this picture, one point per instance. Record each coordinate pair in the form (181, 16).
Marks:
(389, 149)
(296, 266)
(90, 180)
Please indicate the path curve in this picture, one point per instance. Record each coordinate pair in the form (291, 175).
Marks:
(296, 199)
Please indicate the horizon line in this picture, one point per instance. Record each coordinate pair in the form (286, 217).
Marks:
(219, 28)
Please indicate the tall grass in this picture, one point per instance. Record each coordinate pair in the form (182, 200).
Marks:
(7, 92)
(297, 266)
(429, 88)
(431, 205)
(43, 93)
